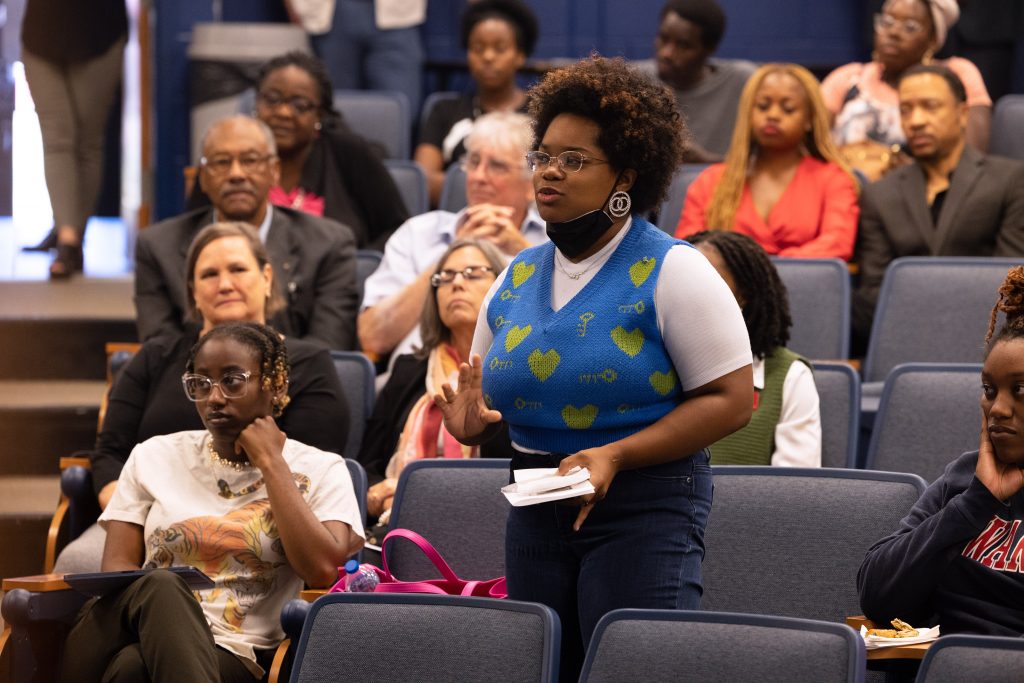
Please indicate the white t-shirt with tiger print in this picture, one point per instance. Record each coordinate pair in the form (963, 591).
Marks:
(200, 513)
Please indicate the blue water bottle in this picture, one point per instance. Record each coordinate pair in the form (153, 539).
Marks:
(360, 578)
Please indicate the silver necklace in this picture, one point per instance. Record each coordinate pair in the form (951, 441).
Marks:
(577, 276)
(223, 462)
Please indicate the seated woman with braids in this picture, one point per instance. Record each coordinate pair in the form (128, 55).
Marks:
(785, 428)
(955, 560)
(229, 279)
(259, 513)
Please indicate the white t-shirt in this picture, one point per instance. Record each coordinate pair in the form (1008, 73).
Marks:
(195, 512)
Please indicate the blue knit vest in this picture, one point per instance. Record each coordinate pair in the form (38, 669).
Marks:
(593, 372)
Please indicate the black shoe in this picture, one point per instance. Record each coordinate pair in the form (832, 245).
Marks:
(49, 242)
(68, 261)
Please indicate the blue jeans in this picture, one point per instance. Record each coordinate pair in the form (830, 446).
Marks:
(641, 547)
(359, 56)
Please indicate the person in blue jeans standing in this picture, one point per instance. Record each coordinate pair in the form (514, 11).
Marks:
(613, 347)
(375, 45)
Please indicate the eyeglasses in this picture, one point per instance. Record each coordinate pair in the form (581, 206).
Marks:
(494, 167)
(232, 385)
(298, 104)
(447, 276)
(569, 161)
(887, 22)
(221, 164)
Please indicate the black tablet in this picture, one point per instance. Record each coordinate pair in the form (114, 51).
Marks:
(101, 583)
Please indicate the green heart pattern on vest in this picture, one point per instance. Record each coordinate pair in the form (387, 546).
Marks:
(663, 382)
(521, 272)
(641, 270)
(516, 336)
(543, 365)
(579, 418)
(630, 343)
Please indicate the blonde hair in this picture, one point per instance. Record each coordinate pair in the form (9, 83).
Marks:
(726, 198)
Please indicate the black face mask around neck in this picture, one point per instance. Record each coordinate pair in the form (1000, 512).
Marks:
(573, 237)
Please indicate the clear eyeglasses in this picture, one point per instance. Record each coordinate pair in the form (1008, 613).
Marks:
(569, 161)
(231, 385)
(446, 276)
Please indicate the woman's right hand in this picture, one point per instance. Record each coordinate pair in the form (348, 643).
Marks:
(466, 415)
(1002, 479)
(380, 496)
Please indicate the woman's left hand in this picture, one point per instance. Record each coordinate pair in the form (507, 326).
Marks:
(262, 441)
(603, 465)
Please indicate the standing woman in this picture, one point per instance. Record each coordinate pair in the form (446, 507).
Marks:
(613, 347)
(498, 36)
(72, 52)
(782, 181)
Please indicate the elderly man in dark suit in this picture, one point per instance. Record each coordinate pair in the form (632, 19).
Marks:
(952, 201)
(313, 258)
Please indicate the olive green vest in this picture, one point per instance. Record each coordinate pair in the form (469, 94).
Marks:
(755, 443)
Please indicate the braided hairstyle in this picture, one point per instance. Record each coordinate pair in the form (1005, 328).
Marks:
(1011, 303)
(268, 345)
(765, 300)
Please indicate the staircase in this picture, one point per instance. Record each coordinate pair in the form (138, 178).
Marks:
(52, 380)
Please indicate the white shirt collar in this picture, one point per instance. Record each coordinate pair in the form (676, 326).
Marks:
(264, 228)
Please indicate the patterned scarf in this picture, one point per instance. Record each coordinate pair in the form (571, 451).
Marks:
(424, 435)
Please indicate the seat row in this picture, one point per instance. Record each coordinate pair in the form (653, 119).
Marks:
(781, 542)
(384, 117)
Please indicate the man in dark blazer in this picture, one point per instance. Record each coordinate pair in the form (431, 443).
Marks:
(952, 201)
(313, 258)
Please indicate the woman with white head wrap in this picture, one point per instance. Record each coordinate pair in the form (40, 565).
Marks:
(862, 97)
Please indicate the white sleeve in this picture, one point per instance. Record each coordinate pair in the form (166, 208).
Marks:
(131, 502)
(699, 319)
(482, 336)
(798, 433)
(397, 268)
(334, 497)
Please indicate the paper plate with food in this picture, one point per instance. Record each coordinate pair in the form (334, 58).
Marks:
(901, 633)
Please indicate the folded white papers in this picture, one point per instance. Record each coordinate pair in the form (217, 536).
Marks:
(543, 484)
(924, 635)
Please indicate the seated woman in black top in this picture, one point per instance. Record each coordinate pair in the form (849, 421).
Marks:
(406, 425)
(229, 279)
(326, 168)
(498, 36)
(957, 560)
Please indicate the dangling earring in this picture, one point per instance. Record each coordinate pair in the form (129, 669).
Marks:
(619, 204)
(317, 126)
(927, 57)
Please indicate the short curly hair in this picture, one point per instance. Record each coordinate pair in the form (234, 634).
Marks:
(640, 124)
(516, 13)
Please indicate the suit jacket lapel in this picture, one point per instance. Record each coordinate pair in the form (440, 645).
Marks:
(967, 173)
(283, 251)
(200, 221)
(914, 191)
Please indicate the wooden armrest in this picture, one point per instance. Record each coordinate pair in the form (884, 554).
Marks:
(311, 594)
(71, 461)
(40, 583)
(279, 657)
(855, 622)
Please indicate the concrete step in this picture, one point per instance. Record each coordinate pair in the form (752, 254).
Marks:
(44, 420)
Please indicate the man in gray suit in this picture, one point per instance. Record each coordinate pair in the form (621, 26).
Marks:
(313, 258)
(952, 201)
